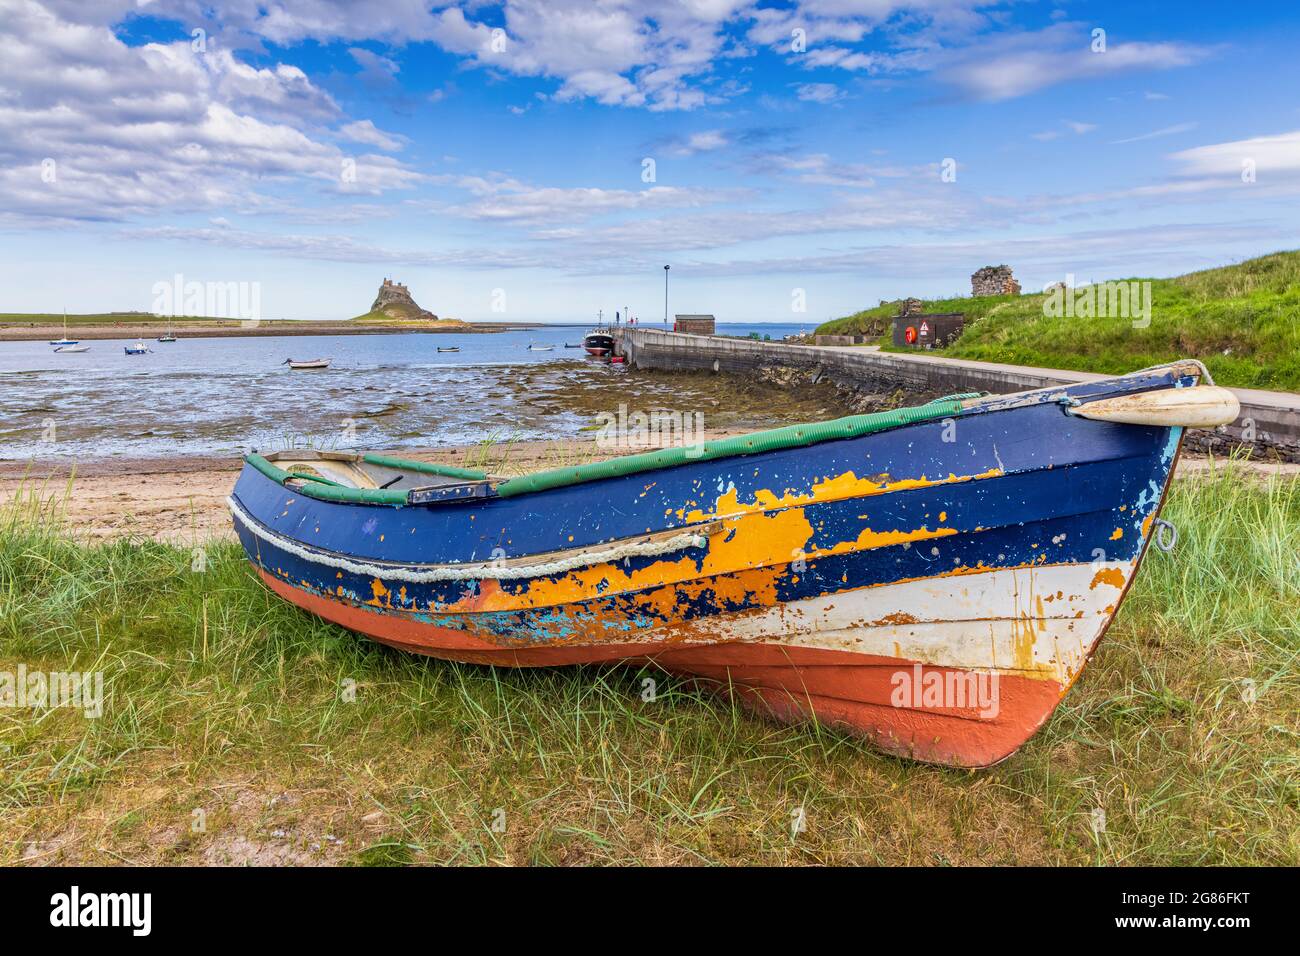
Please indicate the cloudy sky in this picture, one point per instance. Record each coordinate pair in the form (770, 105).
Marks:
(554, 155)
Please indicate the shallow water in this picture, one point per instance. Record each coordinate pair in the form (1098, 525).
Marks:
(224, 396)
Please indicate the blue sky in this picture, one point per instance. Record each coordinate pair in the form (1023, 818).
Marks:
(551, 157)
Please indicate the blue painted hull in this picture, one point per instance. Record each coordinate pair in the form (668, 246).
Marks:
(841, 554)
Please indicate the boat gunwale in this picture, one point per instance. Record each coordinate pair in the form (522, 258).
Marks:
(770, 440)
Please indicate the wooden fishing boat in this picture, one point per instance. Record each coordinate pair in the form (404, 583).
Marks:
(307, 363)
(934, 578)
(598, 341)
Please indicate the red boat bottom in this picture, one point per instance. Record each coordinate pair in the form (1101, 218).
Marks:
(942, 715)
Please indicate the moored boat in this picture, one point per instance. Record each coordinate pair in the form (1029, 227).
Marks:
(307, 363)
(448, 348)
(65, 341)
(138, 349)
(73, 348)
(933, 578)
(598, 341)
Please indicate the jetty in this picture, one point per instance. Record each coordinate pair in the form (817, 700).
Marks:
(1269, 422)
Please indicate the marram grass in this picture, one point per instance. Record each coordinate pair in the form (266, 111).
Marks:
(1242, 321)
(238, 729)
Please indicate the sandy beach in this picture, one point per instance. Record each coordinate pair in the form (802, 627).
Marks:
(183, 500)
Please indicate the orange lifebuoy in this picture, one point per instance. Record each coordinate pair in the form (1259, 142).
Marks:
(910, 334)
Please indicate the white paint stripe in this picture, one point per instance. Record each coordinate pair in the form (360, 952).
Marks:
(1040, 622)
(426, 574)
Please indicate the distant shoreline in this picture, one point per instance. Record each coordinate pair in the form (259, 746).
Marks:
(46, 330)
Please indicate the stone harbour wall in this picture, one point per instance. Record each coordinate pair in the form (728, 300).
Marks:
(1269, 423)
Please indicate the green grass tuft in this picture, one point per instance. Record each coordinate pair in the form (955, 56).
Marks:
(1242, 321)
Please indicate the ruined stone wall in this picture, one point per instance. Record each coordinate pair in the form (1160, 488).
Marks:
(994, 280)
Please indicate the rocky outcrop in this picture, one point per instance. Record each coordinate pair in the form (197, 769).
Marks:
(394, 300)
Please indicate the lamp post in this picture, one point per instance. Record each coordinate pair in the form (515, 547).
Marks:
(665, 297)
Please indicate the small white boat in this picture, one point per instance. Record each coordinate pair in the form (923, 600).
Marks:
(65, 340)
(73, 347)
(138, 349)
(448, 348)
(541, 348)
(308, 363)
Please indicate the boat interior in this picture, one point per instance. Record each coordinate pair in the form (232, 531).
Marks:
(359, 471)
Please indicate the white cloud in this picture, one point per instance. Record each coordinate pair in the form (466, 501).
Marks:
(1012, 65)
(1072, 125)
(1280, 153)
(703, 141)
(376, 69)
(1155, 133)
(339, 248)
(497, 199)
(131, 130)
(818, 92)
(1038, 258)
(365, 131)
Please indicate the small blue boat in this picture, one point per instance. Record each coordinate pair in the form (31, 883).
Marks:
(934, 578)
(138, 349)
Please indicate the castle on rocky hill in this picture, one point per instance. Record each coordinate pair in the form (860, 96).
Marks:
(395, 301)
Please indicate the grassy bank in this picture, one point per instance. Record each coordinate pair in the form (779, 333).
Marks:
(1242, 320)
(383, 318)
(223, 699)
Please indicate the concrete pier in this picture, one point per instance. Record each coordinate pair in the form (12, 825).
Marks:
(1269, 422)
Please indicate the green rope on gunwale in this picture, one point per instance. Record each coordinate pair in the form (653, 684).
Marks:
(326, 490)
(355, 496)
(446, 471)
(791, 436)
(276, 473)
(265, 467)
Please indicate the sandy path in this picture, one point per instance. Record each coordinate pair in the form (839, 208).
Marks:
(185, 501)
